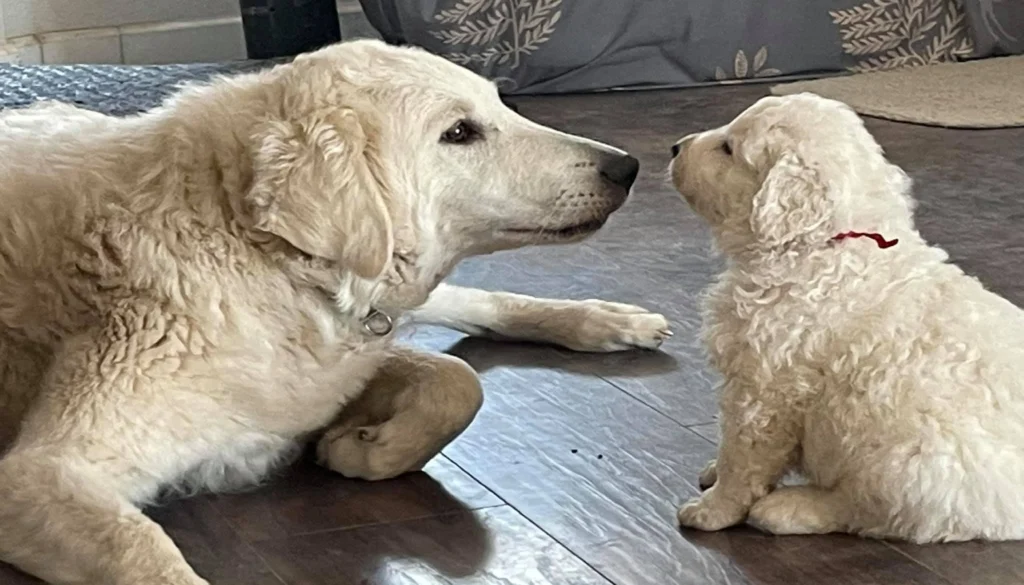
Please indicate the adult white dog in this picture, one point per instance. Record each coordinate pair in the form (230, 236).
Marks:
(851, 350)
(189, 294)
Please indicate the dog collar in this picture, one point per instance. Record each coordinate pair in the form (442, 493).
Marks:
(377, 323)
(878, 238)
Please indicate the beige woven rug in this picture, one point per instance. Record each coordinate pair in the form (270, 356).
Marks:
(977, 94)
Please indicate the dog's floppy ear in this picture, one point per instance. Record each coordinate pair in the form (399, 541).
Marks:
(793, 201)
(313, 187)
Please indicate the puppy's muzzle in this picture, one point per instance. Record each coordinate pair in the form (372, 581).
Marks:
(679, 146)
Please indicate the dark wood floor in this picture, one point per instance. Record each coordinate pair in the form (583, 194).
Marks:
(574, 468)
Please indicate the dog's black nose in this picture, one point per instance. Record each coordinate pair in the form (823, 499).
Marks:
(621, 171)
(676, 148)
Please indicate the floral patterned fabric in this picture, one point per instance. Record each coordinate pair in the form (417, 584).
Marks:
(555, 46)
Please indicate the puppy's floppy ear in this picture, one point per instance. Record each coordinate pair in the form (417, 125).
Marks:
(313, 187)
(793, 201)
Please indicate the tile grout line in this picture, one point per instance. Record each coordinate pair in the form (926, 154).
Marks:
(263, 560)
(651, 406)
(445, 456)
(533, 523)
(244, 541)
(392, 523)
(689, 428)
(918, 562)
(120, 48)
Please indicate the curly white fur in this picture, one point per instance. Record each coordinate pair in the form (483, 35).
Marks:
(893, 381)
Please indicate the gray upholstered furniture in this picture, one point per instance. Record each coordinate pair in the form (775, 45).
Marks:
(563, 46)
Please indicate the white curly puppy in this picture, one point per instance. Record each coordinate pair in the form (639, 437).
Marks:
(851, 350)
(189, 295)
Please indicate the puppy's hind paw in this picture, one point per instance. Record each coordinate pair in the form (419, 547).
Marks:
(798, 510)
(704, 513)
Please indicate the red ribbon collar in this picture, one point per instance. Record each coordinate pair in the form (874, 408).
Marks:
(881, 241)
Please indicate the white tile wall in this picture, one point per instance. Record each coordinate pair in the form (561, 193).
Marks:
(29, 55)
(28, 17)
(215, 41)
(134, 31)
(20, 51)
(97, 46)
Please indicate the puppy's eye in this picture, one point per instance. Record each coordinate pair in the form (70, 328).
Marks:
(727, 148)
(461, 133)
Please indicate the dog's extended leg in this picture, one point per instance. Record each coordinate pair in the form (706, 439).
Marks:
(589, 326)
(415, 406)
(758, 442)
(67, 484)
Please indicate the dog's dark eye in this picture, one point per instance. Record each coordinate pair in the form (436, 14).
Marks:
(461, 133)
(727, 148)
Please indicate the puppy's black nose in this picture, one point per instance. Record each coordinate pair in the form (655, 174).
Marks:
(621, 170)
(680, 144)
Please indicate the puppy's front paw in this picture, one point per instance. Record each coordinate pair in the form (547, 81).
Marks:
(708, 476)
(608, 327)
(705, 513)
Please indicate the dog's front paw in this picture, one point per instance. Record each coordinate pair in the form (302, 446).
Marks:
(705, 513)
(608, 327)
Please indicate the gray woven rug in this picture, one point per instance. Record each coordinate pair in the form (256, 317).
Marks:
(111, 89)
